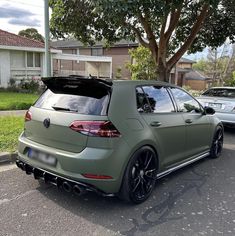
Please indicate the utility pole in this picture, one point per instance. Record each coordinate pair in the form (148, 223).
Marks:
(47, 46)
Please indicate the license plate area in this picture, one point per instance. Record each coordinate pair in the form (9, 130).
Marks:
(42, 157)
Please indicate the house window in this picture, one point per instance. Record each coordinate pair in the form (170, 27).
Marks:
(17, 59)
(33, 59)
(97, 52)
(37, 60)
(29, 59)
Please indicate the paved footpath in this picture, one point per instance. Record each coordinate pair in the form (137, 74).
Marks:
(13, 113)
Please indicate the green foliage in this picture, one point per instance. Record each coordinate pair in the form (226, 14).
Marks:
(118, 74)
(10, 129)
(32, 34)
(112, 20)
(201, 65)
(214, 66)
(168, 28)
(143, 67)
(231, 81)
(16, 101)
(31, 86)
(194, 93)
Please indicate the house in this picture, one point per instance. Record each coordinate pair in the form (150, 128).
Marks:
(118, 52)
(183, 74)
(20, 58)
(24, 58)
(197, 80)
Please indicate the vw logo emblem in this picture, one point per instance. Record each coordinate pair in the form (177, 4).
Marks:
(47, 122)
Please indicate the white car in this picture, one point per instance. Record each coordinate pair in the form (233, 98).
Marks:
(222, 99)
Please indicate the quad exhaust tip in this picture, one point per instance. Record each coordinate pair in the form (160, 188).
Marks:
(67, 186)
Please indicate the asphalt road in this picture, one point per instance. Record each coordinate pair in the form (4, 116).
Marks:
(196, 200)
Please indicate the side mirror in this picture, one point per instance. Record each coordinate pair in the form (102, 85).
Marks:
(209, 111)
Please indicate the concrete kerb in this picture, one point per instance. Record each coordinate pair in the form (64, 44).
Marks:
(7, 157)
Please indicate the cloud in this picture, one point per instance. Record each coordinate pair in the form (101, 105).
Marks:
(26, 21)
(18, 16)
(7, 11)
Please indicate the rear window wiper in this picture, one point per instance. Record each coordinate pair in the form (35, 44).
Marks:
(63, 109)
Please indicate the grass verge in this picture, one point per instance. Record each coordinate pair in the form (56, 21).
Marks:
(16, 101)
(10, 129)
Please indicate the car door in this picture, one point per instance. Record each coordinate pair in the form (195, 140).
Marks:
(198, 128)
(168, 127)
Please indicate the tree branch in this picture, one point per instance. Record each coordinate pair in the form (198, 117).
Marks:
(137, 33)
(195, 29)
(174, 20)
(150, 34)
(139, 37)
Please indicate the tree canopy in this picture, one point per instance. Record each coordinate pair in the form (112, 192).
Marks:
(169, 28)
(31, 33)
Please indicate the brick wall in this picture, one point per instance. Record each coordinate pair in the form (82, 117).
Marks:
(120, 57)
(196, 84)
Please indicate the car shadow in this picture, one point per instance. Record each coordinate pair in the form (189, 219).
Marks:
(229, 130)
(171, 201)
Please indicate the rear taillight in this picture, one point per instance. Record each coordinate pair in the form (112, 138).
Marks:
(95, 128)
(28, 116)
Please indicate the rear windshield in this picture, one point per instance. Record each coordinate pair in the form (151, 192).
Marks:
(221, 92)
(87, 100)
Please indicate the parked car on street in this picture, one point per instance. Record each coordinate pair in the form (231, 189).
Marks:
(222, 100)
(114, 137)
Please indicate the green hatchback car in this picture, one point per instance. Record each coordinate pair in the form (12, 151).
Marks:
(114, 137)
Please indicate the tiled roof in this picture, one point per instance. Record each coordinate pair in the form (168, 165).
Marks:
(186, 60)
(9, 39)
(196, 75)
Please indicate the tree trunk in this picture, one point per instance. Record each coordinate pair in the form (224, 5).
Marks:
(163, 73)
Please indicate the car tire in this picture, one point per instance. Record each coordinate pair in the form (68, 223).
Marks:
(217, 143)
(140, 176)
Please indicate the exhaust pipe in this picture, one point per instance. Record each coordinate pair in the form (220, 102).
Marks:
(78, 190)
(67, 187)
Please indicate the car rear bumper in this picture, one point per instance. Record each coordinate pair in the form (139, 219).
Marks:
(228, 118)
(72, 166)
(57, 180)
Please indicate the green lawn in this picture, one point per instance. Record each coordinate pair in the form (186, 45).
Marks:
(10, 129)
(16, 101)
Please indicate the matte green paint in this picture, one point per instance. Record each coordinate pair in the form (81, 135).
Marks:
(174, 141)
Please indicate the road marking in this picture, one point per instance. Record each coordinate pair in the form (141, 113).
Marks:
(7, 167)
(5, 200)
(229, 146)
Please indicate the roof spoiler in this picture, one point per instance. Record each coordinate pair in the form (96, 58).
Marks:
(64, 83)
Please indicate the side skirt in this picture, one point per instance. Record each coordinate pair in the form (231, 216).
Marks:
(172, 169)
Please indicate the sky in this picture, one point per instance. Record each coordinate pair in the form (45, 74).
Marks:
(16, 15)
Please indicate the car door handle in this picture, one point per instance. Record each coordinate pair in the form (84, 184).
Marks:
(155, 123)
(188, 121)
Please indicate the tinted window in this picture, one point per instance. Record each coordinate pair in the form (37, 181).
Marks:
(158, 98)
(220, 92)
(185, 102)
(82, 104)
(142, 102)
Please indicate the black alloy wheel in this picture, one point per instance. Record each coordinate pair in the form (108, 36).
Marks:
(140, 176)
(217, 144)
